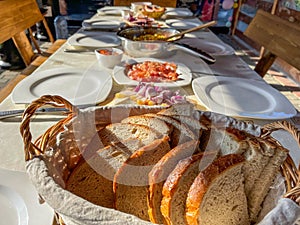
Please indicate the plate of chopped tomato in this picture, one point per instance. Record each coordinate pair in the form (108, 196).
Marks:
(150, 70)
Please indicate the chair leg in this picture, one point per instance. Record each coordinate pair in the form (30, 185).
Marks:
(36, 45)
(48, 31)
(24, 47)
(265, 63)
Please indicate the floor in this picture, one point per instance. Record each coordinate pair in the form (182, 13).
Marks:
(282, 82)
(6, 76)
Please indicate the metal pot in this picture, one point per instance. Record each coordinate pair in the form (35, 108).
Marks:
(145, 48)
(134, 44)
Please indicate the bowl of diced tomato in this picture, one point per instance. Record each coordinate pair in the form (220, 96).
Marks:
(109, 57)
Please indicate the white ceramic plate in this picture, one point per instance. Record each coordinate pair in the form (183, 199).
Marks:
(78, 86)
(13, 207)
(101, 24)
(240, 97)
(19, 201)
(178, 12)
(210, 46)
(112, 10)
(183, 24)
(94, 39)
(216, 48)
(121, 77)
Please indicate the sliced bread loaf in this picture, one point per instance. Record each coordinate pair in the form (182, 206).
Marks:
(155, 123)
(131, 180)
(217, 194)
(159, 174)
(176, 187)
(117, 132)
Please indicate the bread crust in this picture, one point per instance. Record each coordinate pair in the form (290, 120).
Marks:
(172, 185)
(202, 183)
(159, 174)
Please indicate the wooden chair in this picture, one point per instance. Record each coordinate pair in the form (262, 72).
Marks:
(165, 3)
(16, 18)
(279, 38)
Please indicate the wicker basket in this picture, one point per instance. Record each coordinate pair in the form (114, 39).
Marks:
(75, 210)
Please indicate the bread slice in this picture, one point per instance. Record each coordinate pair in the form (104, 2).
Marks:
(177, 185)
(89, 181)
(128, 146)
(131, 180)
(183, 109)
(217, 194)
(263, 161)
(227, 141)
(159, 174)
(224, 141)
(180, 134)
(195, 125)
(155, 123)
(92, 178)
(117, 132)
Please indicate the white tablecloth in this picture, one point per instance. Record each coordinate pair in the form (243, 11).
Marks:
(11, 144)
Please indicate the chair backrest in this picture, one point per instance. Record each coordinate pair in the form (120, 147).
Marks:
(279, 37)
(15, 18)
(165, 3)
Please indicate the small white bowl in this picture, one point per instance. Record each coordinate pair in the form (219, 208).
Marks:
(109, 57)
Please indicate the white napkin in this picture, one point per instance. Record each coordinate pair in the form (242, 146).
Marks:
(287, 212)
(74, 210)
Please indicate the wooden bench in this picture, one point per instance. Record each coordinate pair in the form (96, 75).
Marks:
(16, 21)
(279, 38)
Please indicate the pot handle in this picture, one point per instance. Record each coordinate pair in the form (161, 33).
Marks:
(209, 59)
